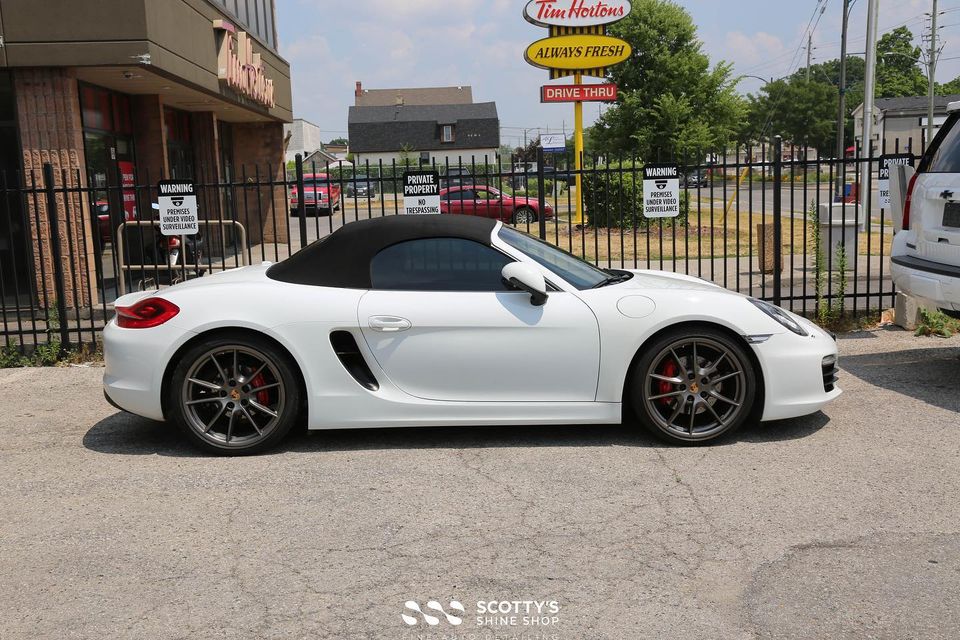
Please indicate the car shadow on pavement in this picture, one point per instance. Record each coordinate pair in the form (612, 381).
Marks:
(929, 375)
(126, 434)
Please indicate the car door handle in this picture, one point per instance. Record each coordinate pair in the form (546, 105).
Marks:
(389, 324)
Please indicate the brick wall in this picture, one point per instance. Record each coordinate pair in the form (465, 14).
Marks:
(149, 139)
(263, 211)
(48, 112)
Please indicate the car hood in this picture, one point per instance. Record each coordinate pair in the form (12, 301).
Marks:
(648, 279)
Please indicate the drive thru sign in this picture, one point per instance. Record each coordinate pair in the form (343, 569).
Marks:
(421, 192)
(178, 208)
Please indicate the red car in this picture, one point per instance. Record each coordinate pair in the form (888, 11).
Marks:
(320, 195)
(104, 223)
(476, 200)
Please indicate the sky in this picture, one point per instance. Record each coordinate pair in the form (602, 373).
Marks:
(331, 44)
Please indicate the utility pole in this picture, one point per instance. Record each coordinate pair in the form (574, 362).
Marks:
(842, 110)
(869, 89)
(809, 52)
(931, 72)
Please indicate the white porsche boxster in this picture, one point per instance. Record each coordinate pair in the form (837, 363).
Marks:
(407, 321)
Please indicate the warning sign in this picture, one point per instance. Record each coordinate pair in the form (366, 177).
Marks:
(421, 192)
(661, 191)
(178, 208)
(883, 177)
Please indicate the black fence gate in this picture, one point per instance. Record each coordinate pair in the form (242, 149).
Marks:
(774, 221)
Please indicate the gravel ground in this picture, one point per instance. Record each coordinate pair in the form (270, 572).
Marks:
(843, 524)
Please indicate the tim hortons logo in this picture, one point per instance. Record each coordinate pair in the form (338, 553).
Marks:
(576, 13)
(242, 69)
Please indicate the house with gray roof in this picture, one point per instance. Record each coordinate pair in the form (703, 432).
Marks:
(440, 133)
(899, 124)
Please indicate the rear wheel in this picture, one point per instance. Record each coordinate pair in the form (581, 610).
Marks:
(692, 386)
(524, 215)
(235, 394)
(951, 313)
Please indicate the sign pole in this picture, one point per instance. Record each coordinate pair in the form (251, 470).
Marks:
(578, 151)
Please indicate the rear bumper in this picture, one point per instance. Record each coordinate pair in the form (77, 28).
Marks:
(933, 281)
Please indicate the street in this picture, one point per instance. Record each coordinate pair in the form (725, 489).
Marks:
(840, 524)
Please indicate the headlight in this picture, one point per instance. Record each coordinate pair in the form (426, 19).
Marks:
(780, 316)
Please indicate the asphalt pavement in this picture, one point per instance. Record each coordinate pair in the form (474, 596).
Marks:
(844, 524)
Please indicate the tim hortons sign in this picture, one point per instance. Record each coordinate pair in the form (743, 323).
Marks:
(575, 13)
(241, 68)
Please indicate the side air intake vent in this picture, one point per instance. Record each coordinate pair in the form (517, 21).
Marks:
(345, 346)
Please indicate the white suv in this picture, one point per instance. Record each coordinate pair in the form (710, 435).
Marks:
(925, 259)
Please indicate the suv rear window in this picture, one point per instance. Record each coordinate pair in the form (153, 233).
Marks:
(945, 157)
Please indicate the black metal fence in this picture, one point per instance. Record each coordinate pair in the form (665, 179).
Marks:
(774, 221)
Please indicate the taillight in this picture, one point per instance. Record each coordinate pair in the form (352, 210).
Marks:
(145, 314)
(173, 242)
(907, 201)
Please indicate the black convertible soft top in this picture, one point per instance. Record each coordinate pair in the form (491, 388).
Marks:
(342, 259)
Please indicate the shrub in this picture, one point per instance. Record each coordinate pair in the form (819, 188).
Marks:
(613, 197)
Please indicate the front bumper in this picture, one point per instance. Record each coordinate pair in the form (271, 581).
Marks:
(934, 281)
(794, 374)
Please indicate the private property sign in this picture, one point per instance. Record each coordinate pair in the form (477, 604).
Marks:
(883, 177)
(575, 13)
(177, 200)
(421, 192)
(577, 52)
(579, 93)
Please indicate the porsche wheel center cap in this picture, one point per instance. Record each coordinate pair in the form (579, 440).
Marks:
(235, 394)
(694, 388)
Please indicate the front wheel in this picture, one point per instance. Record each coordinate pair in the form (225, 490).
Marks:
(693, 386)
(235, 395)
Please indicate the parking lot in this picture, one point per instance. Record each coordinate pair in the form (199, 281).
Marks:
(840, 524)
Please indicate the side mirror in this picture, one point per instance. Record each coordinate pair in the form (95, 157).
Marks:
(526, 278)
(900, 175)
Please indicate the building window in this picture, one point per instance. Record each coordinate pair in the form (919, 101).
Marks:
(447, 133)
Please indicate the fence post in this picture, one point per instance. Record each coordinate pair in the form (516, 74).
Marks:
(301, 211)
(541, 195)
(57, 256)
(777, 220)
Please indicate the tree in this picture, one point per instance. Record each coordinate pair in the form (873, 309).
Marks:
(338, 142)
(949, 88)
(897, 71)
(803, 112)
(672, 104)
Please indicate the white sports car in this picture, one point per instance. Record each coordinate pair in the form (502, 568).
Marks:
(409, 321)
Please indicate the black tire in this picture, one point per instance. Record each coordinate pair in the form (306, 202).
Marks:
(950, 313)
(295, 212)
(722, 400)
(524, 211)
(284, 398)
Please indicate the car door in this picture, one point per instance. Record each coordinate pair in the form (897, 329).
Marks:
(485, 203)
(443, 326)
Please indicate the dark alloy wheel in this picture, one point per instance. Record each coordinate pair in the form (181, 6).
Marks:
(235, 395)
(693, 386)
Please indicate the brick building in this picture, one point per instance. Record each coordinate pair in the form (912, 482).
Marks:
(118, 94)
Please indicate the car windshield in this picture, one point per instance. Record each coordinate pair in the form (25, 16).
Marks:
(580, 274)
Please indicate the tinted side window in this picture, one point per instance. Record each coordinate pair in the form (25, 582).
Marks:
(438, 264)
(946, 156)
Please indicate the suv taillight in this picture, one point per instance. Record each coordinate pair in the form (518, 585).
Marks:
(907, 201)
(145, 314)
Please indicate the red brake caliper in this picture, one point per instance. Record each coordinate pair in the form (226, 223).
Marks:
(263, 397)
(669, 370)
